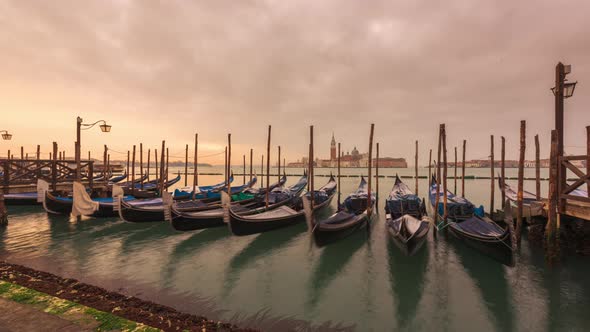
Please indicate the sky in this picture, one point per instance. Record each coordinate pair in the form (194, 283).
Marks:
(165, 70)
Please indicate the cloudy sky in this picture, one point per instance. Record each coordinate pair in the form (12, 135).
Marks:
(168, 69)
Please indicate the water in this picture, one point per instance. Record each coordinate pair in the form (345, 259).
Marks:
(362, 283)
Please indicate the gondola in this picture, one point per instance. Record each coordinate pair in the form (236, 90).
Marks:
(470, 225)
(352, 215)
(290, 211)
(403, 201)
(213, 194)
(531, 207)
(119, 178)
(406, 219)
(63, 205)
(128, 183)
(21, 199)
(188, 191)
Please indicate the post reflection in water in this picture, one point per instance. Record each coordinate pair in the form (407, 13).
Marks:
(362, 282)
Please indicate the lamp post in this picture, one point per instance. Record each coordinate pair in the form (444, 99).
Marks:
(104, 127)
(6, 135)
(561, 90)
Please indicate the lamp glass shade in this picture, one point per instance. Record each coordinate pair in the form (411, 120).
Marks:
(7, 136)
(568, 89)
(105, 128)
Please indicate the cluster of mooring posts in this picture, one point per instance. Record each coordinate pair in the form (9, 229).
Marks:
(20, 175)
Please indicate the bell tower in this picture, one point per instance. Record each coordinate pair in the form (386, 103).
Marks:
(333, 148)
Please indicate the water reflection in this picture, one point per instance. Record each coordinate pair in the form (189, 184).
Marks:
(333, 259)
(489, 277)
(269, 243)
(406, 275)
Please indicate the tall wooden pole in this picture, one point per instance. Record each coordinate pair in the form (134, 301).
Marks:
(186, 165)
(445, 188)
(148, 164)
(261, 171)
(416, 168)
(377, 177)
(267, 166)
(437, 198)
(108, 161)
(228, 164)
(311, 187)
(463, 169)
(105, 173)
(141, 163)
(225, 175)
(503, 170)
(588, 157)
(196, 164)
(369, 206)
(520, 181)
(537, 168)
(550, 229)
(558, 92)
(133, 172)
(54, 168)
(244, 170)
(309, 166)
(279, 165)
(156, 162)
(492, 177)
(429, 167)
(338, 174)
(251, 156)
(128, 159)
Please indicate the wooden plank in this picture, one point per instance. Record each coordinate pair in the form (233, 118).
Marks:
(576, 198)
(574, 158)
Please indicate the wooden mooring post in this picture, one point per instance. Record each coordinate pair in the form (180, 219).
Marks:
(251, 156)
(195, 167)
(339, 174)
(588, 158)
(492, 177)
(279, 165)
(437, 198)
(429, 169)
(537, 168)
(551, 230)
(444, 144)
(141, 163)
(503, 169)
(161, 176)
(267, 167)
(186, 166)
(54, 168)
(519, 196)
(416, 168)
(369, 205)
(148, 165)
(229, 165)
(463, 169)
(105, 169)
(133, 172)
(156, 166)
(262, 171)
(225, 174)
(311, 169)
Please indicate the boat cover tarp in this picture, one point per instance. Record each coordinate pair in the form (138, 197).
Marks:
(479, 227)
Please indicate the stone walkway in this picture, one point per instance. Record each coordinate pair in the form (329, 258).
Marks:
(16, 317)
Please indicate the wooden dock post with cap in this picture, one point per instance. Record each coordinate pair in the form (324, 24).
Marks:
(444, 145)
(416, 168)
(537, 168)
(492, 177)
(463, 169)
(311, 187)
(519, 210)
(369, 206)
(267, 167)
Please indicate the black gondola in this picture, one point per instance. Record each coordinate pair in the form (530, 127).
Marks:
(470, 225)
(63, 205)
(144, 210)
(352, 215)
(406, 218)
(262, 220)
(21, 199)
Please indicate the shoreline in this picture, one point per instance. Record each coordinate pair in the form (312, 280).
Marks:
(128, 307)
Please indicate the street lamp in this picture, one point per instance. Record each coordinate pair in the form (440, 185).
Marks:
(104, 127)
(568, 89)
(6, 135)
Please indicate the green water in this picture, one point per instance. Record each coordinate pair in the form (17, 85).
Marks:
(361, 283)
